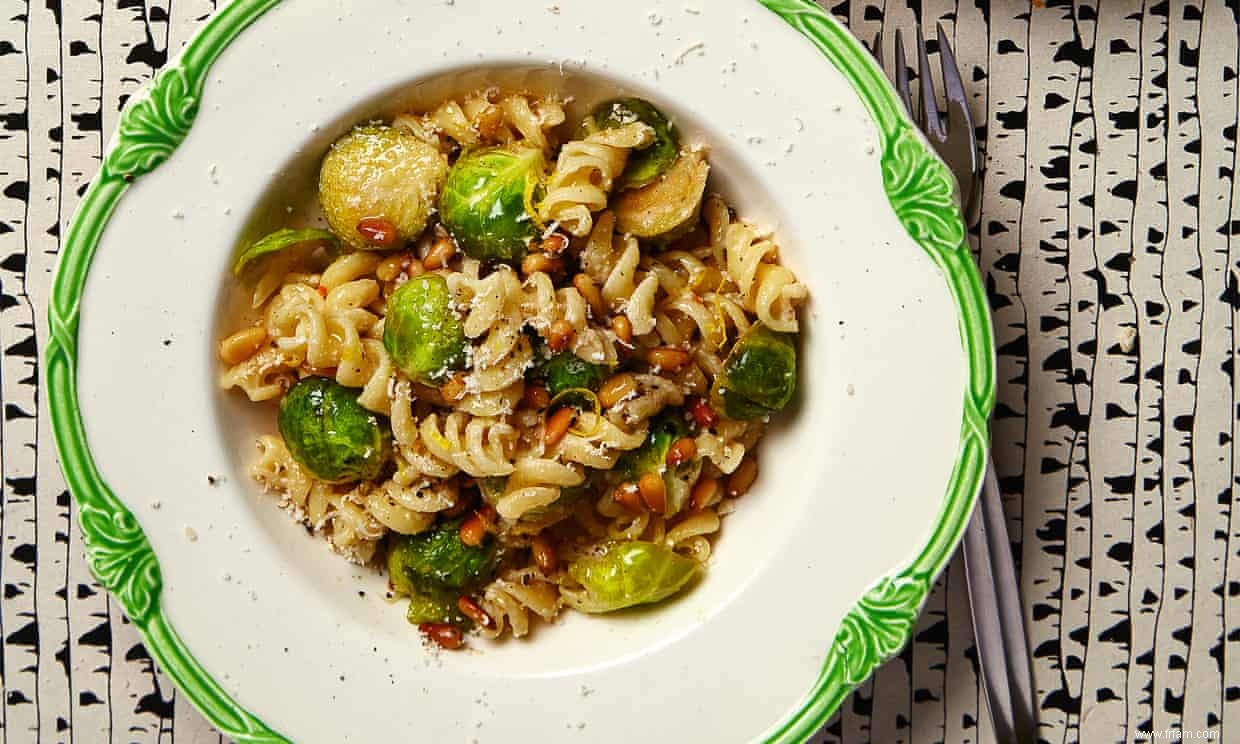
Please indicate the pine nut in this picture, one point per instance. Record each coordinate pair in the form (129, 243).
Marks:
(392, 266)
(623, 329)
(536, 397)
(473, 530)
(681, 451)
(585, 285)
(705, 493)
(489, 122)
(668, 358)
(557, 425)
(536, 262)
(472, 610)
(545, 555)
(616, 388)
(242, 345)
(454, 388)
(440, 253)
(443, 634)
(554, 244)
(628, 496)
(743, 477)
(653, 492)
(560, 335)
(379, 232)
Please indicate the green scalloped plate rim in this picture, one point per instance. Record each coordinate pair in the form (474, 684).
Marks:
(922, 192)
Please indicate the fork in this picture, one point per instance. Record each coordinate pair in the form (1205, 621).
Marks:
(994, 594)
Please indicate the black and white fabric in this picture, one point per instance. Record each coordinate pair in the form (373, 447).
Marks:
(1109, 239)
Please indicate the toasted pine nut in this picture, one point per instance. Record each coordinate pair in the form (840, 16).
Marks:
(743, 477)
(628, 496)
(472, 610)
(454, 388)
(390, 267)
(489, 122)
(585, 285)
(705, 493)
(536, 397)
(616, 388)
(681, 451)
(668, 358)
(653, 492)
(545, 555)
(242, 345)
(536, 262)
(443, 634)
(473, 530)
(560, 335)
(379, 232)
(702, 413)
(440, 253)
(623, 329)
(557, 425)
(554, 244)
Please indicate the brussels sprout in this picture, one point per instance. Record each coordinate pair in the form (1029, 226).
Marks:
(566, 371)
(434, 568)
(668, 207)
(437, 559)
(648, 164)
(487, 204)
(331, 434)
(421, 333)
(759, 376)
(651, 457)
(627, 574)
(434, 607)
(380, 172)
(281, 240)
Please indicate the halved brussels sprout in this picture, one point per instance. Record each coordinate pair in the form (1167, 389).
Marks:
(422, 333)
(566, 371)
(645, 165)
(651, 457)
(438, 558)
(281, 240)
(434, 568)
(668, 207)
(627, 574)
(378, 172)
(487, 203)
(759, 376)
(331, 434)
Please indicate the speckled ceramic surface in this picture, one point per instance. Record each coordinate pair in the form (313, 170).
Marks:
(817, 577)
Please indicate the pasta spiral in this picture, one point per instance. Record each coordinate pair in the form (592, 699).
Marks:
(510, 599)
(487, 118)
(612, 262)
(584, 174)
(768, 289)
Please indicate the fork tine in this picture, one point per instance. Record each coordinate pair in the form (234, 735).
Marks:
(877, 49)
(931, 122)
(953, 88)
(902, 86)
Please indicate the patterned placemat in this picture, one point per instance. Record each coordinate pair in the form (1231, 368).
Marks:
(1106, 241)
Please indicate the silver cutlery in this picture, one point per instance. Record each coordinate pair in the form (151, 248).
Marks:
(994, 594)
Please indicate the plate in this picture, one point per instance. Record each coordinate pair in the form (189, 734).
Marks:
(818, 577)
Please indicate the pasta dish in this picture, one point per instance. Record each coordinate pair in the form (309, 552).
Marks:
(521, 363)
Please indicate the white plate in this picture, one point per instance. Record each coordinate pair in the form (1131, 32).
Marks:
(865, 486)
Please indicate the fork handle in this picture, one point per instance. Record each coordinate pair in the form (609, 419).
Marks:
(998, 618)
